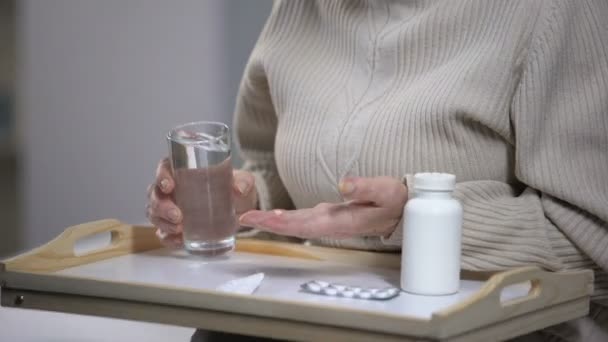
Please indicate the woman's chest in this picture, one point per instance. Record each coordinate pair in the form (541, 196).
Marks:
(390, 96)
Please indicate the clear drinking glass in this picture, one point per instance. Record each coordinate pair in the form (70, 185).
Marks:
(200, 159)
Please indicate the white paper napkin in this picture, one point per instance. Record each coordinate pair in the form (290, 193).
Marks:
(245, 285)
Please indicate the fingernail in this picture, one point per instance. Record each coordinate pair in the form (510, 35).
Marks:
(164, 184)
(244, 223)
(245, 218)
(174, 229)
(174, 215)
(277, 212)
(161, 235)
(243, 187)
(346, 187)
(252, 218)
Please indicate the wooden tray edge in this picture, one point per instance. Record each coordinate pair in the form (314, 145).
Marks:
(485, 307)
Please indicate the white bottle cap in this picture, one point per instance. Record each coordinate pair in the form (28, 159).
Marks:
(434, 181)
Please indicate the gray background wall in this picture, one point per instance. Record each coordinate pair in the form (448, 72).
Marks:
(100, 82)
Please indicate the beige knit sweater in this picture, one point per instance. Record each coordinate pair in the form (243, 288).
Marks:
(511, 96)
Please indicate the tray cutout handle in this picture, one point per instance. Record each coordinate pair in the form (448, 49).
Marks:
(95, 243)
(486, 307)
(92, 237)
(62, 252)
(511, 294)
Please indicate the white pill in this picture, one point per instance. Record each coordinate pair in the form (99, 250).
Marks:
(382, 295)
(313, 287)
(321, 283)
(338, 287)
(392, 291)
(330, 291)
(364, 295)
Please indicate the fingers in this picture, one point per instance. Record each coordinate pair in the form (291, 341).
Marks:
(324, 220)
(162, 211)
(163, 206)
(243, 182)
(300, 223)
(246, 197)
(164, 176)
(385, 192)
(170, 240)
(283, 222)
(166, 226)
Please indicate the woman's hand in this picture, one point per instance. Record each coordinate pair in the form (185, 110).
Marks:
(164, 214)
(374, 207)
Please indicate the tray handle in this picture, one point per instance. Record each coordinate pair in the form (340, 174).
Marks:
(59, 253)
(485, 306)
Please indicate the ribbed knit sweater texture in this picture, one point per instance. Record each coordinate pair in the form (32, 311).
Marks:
(510, 96)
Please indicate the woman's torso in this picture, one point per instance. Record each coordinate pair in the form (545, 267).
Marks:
(369, 88)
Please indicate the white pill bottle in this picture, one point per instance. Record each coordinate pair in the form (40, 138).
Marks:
(432, 235)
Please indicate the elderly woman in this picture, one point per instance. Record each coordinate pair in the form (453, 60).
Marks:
(342, 99)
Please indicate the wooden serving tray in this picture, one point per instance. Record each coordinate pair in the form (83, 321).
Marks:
(133, 277)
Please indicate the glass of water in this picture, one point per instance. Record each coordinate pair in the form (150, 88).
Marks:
(202, 169)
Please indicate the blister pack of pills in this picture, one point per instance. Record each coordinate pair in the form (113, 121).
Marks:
(339, 290)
